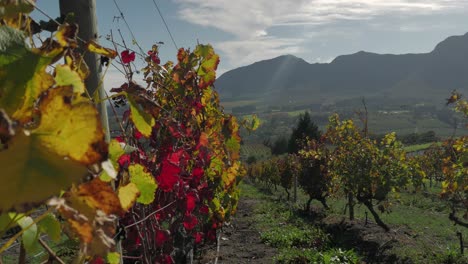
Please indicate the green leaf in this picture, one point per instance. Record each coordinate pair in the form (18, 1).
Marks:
(51, 226)
(113, 258)
(6, 221)
(22, 73)
(30, 235)
(145, 183)
(209, 63)
(143, 121)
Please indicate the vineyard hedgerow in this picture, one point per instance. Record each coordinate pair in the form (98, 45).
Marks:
(168, 181)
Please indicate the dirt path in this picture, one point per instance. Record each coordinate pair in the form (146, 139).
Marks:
(240, 242)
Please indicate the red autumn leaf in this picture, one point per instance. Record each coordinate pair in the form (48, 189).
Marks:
(137, 134)
(190, 221)
(98, 260)
(161, 237)
(197, 173)
(204, 209)
(120, 139)
(175, 157)
(198, 237)
(168, 177)
(124, 160)
(174, 132)
(154, 57)
(127, 56)
(191, 201)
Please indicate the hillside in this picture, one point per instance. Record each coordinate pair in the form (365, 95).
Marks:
(288, 79)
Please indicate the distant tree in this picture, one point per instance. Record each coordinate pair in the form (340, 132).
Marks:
(314, 178)
(305, 129)
(251, 159)
(267, 143)
(288, 167)
(280, 146)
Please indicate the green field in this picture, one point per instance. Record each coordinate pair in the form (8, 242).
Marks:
(259, 151)
(419, 147)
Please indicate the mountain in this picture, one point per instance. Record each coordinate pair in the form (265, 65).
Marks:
(426, 76)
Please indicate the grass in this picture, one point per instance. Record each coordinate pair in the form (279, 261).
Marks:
(297, 240)
(420, 218)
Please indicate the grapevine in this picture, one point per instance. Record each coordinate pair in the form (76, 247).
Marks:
(166, 184)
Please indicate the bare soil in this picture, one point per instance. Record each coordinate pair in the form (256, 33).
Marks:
(240, 242)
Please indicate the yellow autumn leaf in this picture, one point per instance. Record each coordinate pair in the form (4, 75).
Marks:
(64, 76)
(39, 163)
(62, 115)
(98, 49)
(128, 195)
(143, 121)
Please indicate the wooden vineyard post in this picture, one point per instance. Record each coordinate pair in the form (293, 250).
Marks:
(85, 16)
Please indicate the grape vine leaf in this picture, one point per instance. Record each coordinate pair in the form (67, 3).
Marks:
(233, 145)
(30, 234)
(115, 151)
(98, 49)
(96, 194)
(51, 158)
(62, 116)
(113, 258)
(209, 63)
(128, 195)
(144, 181)
(51, 226)
(90, 211)
(65, 76)
(11, 8)
(8, 220)
(22, 73)
(142, 120)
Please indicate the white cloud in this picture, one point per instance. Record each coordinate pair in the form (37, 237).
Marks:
(250, 21)
(245, 51)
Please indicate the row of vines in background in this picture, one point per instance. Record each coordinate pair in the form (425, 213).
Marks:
(165, 184)
(345, 162)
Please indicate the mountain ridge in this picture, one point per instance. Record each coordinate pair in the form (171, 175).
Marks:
(426, 75)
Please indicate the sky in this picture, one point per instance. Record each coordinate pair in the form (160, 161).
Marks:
(245, 31)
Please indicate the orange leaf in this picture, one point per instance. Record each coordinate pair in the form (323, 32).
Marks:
(100, 195)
